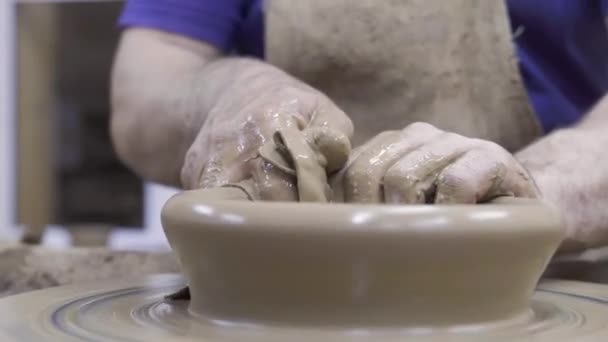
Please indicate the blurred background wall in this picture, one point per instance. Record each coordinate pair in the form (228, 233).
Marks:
(60, 180)
(7, 117)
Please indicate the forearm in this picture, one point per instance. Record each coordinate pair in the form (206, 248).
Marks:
(571, 171)
(163, 88)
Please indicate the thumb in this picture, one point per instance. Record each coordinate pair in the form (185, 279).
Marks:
(332, 147)
(303, 157)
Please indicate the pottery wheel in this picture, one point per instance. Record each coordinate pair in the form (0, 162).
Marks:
(137, 311)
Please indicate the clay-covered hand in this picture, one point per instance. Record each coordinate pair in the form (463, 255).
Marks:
(422, 164)
(265, 108)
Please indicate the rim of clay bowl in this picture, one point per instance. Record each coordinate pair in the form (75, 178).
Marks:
(222, 204)
(360, 265)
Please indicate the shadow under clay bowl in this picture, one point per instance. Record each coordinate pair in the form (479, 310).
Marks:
(359, 265)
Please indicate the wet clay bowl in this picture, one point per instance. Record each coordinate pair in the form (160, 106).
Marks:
(359, 265)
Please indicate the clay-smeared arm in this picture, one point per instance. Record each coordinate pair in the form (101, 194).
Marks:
(186, 116)
(158, 105)
(570, 167)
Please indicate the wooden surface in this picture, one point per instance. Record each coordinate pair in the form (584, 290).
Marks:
(36, 58)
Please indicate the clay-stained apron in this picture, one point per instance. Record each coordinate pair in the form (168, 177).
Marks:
(393, 62)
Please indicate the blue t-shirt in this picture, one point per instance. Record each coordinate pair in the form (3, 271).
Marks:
(562, 44)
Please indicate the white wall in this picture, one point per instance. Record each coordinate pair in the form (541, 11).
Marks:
(155, 196)
(152, 237)
(7, 117)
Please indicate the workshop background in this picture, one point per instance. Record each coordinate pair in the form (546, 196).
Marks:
(61, 183)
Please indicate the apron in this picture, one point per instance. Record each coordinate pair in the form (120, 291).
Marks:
(389, 63)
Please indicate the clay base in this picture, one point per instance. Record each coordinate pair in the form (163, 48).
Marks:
(136, 311)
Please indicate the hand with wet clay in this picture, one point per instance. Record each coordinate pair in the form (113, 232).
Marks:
(423, 164)
(257, 135)
(202, 121)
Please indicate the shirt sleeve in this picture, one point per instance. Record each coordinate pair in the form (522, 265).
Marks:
(212, 21)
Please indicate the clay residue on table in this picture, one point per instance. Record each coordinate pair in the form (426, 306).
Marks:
(27, 268)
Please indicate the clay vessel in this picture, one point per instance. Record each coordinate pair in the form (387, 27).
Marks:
(359, 265)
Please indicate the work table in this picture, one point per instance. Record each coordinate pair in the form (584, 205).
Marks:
(26, 268)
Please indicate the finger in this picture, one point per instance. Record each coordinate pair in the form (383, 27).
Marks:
(412, 179)
(469, 179)
(298, 157)
(331, 146)
(481, 175)
(337, 180)
(518, 182)
(270, 183)
(222, 148)
(308, 163)
(362, 180)
(327, 114)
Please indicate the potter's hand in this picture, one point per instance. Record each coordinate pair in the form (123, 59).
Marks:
(247, 115)
(185, 115)
(422, 164)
